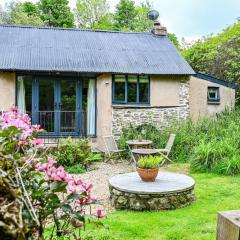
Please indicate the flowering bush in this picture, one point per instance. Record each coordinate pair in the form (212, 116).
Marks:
(34, 193)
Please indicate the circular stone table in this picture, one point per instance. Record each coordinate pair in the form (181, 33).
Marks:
(169, 191)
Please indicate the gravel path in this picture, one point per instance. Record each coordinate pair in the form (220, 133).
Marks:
(99, 178)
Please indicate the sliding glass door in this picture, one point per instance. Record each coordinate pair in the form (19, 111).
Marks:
(62, 106)
(57, 105)
(46, 105)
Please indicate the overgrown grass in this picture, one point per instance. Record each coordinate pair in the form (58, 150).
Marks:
(196, 222)
(210, 145)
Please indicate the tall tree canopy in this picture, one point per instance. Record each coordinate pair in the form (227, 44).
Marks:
(90, 14)
(3, 15)
(25, 13)
(93, 14)
(56, 13)
(141, 23)
(125, 15)
(217, 55)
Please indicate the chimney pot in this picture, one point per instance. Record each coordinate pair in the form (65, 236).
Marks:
(158, 29)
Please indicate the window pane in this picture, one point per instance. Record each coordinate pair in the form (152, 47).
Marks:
(143, 89)
(213, 93)
(24, 94)
(46, 104)
(68, 106)
(132, 89)
(119, 87)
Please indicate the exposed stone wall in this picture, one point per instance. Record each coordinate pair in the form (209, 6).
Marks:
(123, 116)
(139, 202)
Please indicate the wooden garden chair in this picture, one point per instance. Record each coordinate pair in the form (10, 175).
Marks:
(166, 151)
(111, 146)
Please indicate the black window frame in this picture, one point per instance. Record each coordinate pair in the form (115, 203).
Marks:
(217, 98)
(126, 90)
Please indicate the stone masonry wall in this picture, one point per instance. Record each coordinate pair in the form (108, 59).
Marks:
(140, 202)
(157, 116)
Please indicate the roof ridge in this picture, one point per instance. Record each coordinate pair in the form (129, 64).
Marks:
(71, 29)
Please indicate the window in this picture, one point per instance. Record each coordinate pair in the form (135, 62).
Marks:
(132, 89)
(213, 94)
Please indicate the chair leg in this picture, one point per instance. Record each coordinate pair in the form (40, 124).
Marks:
(165, 158)
(120, 156)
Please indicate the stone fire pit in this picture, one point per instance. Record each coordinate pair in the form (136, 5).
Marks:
(169, 191)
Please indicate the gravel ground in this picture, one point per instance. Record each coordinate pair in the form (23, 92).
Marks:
(99, 176)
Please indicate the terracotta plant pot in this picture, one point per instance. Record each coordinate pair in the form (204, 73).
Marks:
(148, 175)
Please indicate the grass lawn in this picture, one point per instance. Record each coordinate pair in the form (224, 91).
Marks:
(197, 222)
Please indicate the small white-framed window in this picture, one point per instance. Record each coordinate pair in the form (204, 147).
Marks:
(213, 95)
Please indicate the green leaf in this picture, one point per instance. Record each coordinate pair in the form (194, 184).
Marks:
(58, 186)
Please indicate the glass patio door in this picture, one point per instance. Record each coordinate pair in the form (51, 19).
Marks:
(57, 105)
(47, 104)
(69, 106)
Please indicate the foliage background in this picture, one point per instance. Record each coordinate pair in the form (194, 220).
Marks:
(87, 14)
(217, 55)
(210, 145)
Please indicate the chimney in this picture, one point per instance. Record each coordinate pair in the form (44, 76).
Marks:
(158, 29)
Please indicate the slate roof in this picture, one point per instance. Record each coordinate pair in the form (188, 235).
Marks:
(212, 79)
(74, 50)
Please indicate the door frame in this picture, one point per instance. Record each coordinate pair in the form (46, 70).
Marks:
(57, 104)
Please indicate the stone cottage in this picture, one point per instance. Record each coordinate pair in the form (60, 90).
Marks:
(77, 82)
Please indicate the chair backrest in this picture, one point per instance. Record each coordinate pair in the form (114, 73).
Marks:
(170, 142)
(110, 144)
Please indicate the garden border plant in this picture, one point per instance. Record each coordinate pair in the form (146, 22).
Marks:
(209, 145)
(33, 191)
(75, 154)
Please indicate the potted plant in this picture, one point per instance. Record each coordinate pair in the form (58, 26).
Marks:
(140, 138)
(148, 167)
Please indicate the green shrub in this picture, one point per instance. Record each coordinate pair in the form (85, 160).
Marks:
(210, 145)
(73, 152)
(76, 169)
(149, 162)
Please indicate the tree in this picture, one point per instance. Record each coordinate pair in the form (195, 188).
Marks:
(3, 16)
(174, 39)
(30, 8)
(56, 13)
(125, 15)
(24, 14)
(141, 23)
(93, 14)
(214, 55)
(227, 61)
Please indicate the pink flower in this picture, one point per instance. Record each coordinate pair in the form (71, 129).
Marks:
(100, 214)
(75, 189)
(47, 167)
(22, 143)
(58, 174)
(51, 161)
(68, 177)
(42, 167)
(20, 121)
(55, 177)
(77, 223)
(87, 187)
(38, 142)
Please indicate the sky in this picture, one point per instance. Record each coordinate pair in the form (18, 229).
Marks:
(190, 19)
